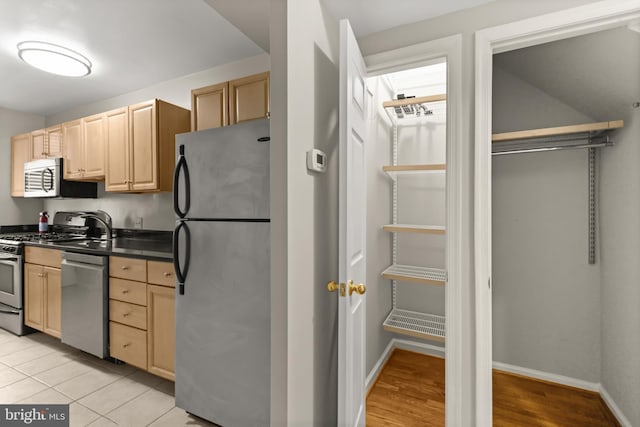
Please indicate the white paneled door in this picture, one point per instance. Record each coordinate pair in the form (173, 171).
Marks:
(352, 252)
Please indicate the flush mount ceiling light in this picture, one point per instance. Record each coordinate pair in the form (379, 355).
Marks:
(54, 59)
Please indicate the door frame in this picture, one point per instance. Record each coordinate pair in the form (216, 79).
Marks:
(559, 25)
(418, 55)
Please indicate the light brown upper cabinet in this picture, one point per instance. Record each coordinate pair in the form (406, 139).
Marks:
(93, 136)
(249, 98)
(54, 141)
(209, 107)
(84, 141)
(20, 153)
(46, 143)
(38, 144)
(117, 155)
(230, 102)
(141, 146)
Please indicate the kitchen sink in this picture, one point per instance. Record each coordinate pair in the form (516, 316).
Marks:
(91, 244)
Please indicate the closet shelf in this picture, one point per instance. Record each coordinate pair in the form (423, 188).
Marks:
(394, 171)
(409, 273)
(413, 228)
(413, 101)
(420, 325)
(557, 131)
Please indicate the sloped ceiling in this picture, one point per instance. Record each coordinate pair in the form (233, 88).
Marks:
(597, 74)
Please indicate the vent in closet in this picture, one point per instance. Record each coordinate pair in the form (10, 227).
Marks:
(417, 113)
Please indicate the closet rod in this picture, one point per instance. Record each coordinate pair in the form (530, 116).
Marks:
(606, 143)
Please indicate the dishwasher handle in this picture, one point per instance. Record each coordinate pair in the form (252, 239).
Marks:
(80, 265)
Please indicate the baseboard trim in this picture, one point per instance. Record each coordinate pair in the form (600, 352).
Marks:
(546, 376)
(417, 347)
(615, 410)
(377, 368)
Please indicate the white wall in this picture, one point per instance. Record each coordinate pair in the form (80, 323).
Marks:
(379, 202)
(278, 210)
(15, 211)
(156, 210)
(312, 214)
(546, 296)
(176, 91)
(619, 214)
(422, 200)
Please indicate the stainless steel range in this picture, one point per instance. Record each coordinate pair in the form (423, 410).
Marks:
(11, 300)
(66, 226)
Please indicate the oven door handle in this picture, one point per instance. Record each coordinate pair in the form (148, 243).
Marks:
(9, 259)
(7, 311)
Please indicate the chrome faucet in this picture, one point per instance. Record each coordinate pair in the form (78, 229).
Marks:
(103, 218)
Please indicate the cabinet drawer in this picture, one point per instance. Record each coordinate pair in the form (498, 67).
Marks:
(128, 344)
(128, 268)
(128, 314)
(128, 291)
(42, 256)
(161, 273)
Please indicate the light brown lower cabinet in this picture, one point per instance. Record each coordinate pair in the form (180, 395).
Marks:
(128, 344)
(43, 290)
(142, 314)
(161, 331)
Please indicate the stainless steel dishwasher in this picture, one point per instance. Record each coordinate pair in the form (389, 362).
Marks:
(85, 310)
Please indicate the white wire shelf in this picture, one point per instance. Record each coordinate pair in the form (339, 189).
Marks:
(419, 325)
(414, 228)
(395, 170)
(409, 273)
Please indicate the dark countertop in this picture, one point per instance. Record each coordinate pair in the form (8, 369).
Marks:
(155, 246)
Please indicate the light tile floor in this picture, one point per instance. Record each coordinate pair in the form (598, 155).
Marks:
(37, 368)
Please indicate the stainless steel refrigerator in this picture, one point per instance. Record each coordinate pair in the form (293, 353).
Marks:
(221, 259)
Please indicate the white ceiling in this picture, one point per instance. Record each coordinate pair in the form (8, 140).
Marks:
(371, 16)
(137, 43)
(596, 74)
(132, 44)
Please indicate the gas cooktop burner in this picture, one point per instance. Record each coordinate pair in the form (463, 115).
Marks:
(32, 237)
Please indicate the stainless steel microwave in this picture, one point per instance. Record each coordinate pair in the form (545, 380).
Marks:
(44, 178)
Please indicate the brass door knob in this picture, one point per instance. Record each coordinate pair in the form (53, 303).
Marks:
(332, 286)
(360, 289)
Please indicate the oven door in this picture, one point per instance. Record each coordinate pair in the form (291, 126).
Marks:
(11, 280)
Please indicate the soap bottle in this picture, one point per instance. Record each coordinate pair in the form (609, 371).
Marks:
(43, 224)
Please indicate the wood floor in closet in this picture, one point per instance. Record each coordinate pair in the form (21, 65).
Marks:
(410, 392)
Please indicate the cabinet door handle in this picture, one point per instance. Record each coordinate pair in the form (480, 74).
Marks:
(125, 267)
(166, 274)
(125, 345)
(125, 291)
(125, 314)
(40, 275)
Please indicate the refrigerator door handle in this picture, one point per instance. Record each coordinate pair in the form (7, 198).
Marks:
(182, 165)
(181, 271)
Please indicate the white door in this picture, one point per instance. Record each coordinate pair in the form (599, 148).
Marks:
(352, 252)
